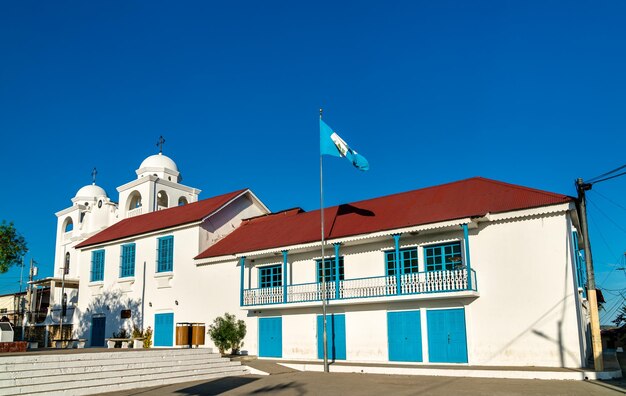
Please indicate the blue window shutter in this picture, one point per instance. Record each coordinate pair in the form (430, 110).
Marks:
(166, 254)
(97, 265)
(128, 261)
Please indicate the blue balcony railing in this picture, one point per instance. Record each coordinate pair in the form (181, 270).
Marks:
(380, 286)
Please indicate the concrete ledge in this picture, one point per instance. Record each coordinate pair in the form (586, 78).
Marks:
(475, 372)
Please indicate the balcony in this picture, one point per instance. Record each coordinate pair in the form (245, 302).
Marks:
(134, 212)
(419, 284)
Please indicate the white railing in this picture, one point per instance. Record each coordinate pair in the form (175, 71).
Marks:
(134, 212)
(261, 296)
(379, 286)
(434, 281)
(368, 287)
(310, 292)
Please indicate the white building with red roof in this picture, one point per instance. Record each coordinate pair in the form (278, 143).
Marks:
(474, 272)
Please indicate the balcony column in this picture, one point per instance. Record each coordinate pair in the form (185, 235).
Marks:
(467, 256)
(336, 245)
(242, 264)
(285, 276)
(396, 240)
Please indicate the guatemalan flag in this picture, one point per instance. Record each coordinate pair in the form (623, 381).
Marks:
(332, 144)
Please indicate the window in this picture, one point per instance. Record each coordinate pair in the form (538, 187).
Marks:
(127, 262)
(446, 256)
(408, 261)
(165, 254)
(4, 310)
(97, 265)
(66, 269)
(271, 276)
(330, 269)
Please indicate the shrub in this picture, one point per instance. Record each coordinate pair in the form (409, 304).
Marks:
(227, 333)
(147, 337)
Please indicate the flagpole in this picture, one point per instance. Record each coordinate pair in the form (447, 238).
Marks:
(323, 263)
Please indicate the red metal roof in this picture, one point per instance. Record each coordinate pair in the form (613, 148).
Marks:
(466, 198)
(161, 219)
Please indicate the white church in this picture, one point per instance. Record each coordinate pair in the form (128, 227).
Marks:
(473, 272)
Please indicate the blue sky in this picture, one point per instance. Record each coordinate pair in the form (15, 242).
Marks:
(531, 93)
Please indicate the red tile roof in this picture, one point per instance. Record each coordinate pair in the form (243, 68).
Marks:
(161, 219)
(466, 198)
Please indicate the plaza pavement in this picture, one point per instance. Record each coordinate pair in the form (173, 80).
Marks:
(311, 383)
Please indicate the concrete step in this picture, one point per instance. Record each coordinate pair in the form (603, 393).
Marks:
(77, 373)
(128, 381)
(97, 372)
(113, 374)
(137, 385)
(61, 357)
(123, 358)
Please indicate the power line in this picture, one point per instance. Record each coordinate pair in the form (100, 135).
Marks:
(593, 179)
(609, 178)
(607, 216)
(609, 199)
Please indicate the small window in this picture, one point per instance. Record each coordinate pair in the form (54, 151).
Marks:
(330, 271)
(66, 267)
(127, 261)
(97, 265)
(4, 310)
(445, 256)
(165, 254)
(408, 261)
(271, 276)
(126, 314)
(182, 201)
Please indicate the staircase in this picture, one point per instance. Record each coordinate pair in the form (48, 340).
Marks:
(98, 372)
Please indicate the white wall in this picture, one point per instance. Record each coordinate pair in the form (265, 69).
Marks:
(525, 314)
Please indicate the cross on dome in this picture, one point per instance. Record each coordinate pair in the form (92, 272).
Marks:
(160, 144)
(94, 172)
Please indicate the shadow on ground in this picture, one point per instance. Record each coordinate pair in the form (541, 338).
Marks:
(217, 386)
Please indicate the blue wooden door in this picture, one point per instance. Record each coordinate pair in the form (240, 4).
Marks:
(98, 327)
(335, 336)
(404, 331)
(447, 340)
(271, 337)
(164, 330)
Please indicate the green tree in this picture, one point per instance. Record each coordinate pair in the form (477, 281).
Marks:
(227, 333)
(620, 319)
(12, 246)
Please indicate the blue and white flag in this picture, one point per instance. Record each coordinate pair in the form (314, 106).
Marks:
(332, 144)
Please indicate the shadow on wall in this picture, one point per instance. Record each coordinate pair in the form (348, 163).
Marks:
(121, 313)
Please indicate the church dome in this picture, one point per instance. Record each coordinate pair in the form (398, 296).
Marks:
(91, 191)
(159, 161)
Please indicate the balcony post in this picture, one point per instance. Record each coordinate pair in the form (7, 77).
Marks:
(285, 276)
(467, 256)
(336, 245)
(242, 263)
(396, 241)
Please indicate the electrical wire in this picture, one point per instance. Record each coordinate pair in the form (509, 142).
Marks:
(607, 216)
(593, 179)
(609, 178)
(608, 199)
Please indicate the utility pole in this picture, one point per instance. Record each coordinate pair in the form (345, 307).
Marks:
(596, 341)
(28, 319)
(21, 298)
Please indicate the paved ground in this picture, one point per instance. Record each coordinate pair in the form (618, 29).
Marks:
(308, 383)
